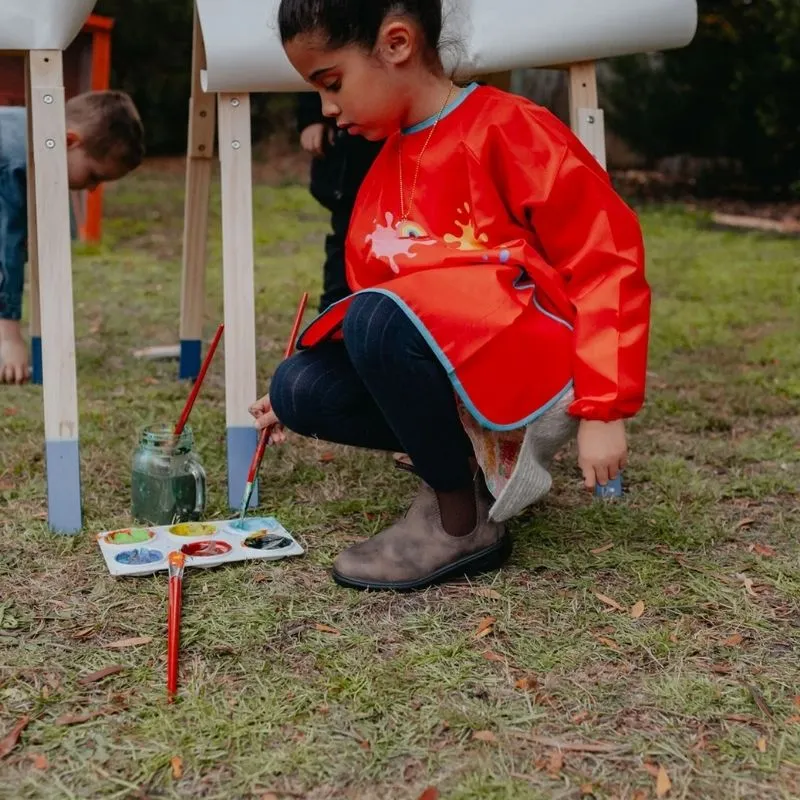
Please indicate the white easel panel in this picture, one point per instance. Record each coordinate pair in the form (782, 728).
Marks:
(41, 24)
(244, 52)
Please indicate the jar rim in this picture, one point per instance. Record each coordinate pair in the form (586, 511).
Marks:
(160, 435)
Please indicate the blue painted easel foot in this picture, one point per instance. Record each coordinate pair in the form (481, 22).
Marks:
(63, 486)
(36, 359)
(191, 352)
(242, 443)
(611, 489)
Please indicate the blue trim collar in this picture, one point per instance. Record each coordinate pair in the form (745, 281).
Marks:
(449, 108)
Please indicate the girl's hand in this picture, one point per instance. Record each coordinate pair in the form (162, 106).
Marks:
(602, 450)
(265, 418)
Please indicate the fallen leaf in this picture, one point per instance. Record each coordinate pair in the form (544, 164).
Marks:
(796, 700)
(134, 641)
(793, 720)
(652, 769)
(150, 381)
(761, 744)
(639, 794)
(764, 549)
(744, 523)
(6, 484)
(528, 683)
(83, 634)
(581, 716)
(555, 763)
(637, 609)
(364, 744)
(327, 457)
(79, 719)
(673, 637)
(9, 741)
(484, 736)
(608, 601)
(269, 796)
(490, 655)
(39, 760)
(607, 642)
(10, 411)
(485, 592)
(748, 583)
(733, 641)
(485, 627)
(327, 629)
(759, 700)
(431, 793)
(93, 677)
(604, 549)
(721, 669)
(324, 708)
(587, 789)
(176, 762)
(663, 783)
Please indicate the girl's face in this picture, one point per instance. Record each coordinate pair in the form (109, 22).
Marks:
(365, 93)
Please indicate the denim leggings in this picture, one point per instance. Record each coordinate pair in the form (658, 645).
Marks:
(382, 388)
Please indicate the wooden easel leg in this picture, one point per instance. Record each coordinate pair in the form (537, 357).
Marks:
(236, 181)
(586, 119)
(33, 253)
(48, 144)
(200, 150)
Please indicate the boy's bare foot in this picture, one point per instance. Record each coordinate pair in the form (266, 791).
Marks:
(13, 361)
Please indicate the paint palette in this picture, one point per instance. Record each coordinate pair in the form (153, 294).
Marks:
(144, 550)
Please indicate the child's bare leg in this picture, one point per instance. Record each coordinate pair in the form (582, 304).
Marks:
(13, 352)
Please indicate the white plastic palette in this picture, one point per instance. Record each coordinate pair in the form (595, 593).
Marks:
(143, 550)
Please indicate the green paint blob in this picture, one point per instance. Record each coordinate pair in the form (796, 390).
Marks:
(129, 536)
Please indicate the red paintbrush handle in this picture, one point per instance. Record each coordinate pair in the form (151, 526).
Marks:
(187, 409)
(259, 454)
(176, 563)
(173, 635)
(264, 436)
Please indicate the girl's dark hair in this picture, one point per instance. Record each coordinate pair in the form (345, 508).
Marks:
(356, 22)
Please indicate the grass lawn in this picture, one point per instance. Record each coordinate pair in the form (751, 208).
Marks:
(569, 694)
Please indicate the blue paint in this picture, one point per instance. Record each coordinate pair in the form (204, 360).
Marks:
(242, 443)
(611, 489)
(252, 524)
(36, 359)
(191, 359)
(63, 485)
(139, 555)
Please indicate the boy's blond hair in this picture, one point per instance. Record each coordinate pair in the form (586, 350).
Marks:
(109, 125)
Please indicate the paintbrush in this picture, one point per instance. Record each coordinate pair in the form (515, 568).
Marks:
(187, 409)
(177, 561)
(265, 434)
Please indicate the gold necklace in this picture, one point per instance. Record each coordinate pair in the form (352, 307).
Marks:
(404, 214)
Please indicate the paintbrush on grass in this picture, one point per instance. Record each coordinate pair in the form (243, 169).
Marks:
(177, 561)
(265, 434)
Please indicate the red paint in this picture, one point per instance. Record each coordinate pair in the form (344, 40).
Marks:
(206, 549)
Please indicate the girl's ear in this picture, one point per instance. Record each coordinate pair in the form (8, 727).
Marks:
(397, 41)
(73, 139)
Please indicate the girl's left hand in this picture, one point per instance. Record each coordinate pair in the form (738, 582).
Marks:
(602, 450)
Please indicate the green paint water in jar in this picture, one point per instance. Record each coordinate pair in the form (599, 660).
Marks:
(168, 483)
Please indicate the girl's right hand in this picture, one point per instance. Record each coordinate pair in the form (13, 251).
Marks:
(265, 418)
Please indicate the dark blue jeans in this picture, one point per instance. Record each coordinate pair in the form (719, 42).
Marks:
(382, 388)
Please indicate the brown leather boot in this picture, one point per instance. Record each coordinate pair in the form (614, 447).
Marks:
(417, 552)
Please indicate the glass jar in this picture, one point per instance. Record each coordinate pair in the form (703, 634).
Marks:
(168, 483)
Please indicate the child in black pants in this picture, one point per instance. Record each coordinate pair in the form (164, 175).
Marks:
(340, 163)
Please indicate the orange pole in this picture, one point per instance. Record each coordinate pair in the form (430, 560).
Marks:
(100, 28)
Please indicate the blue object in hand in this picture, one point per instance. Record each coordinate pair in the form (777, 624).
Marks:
(613, 488)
